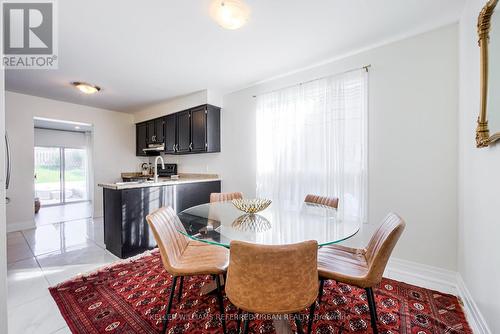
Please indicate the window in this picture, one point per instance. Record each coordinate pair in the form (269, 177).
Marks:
(312, 138)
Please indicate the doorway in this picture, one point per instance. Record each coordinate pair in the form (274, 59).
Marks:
(61, 175)
(62, 171)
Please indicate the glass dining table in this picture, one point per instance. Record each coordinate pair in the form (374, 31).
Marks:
(279, 224)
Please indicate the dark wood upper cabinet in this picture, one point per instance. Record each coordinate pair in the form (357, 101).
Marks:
(213, 129)
(196, 130)
(183, 131)
(159, 130)
(151, 132)
(155, 131)
(141, 139)
(205, 129)
(170, 133)
(199, 129)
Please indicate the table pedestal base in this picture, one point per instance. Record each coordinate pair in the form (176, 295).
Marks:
(281, 324)
(211, 287)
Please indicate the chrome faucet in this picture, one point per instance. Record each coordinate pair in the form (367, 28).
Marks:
(156, 167)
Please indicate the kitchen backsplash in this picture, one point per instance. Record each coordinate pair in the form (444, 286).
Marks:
(191, 164)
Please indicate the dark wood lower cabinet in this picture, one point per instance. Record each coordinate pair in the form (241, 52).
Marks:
(126, 231)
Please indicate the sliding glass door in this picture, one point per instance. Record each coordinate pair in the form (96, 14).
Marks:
(75, 175)
(61, 175)
(48, 175)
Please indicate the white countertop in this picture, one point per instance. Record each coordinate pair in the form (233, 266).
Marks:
(162, 181)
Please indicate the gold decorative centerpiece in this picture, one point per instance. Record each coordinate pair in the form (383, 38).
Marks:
(250, 222)
(251, 205)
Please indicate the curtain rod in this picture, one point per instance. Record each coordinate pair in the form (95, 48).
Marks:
(366, 67)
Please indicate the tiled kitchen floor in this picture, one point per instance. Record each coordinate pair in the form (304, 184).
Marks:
(63, 213)
(42, 257)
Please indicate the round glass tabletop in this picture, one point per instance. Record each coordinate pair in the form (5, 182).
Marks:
(220, 223)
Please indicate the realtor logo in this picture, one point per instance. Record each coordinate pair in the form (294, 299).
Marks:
(29, 36)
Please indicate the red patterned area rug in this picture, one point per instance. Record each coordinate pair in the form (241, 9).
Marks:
(130, 297)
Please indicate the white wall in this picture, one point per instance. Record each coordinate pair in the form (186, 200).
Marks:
(171, 106)
(179, 103)
(412, 140)
(60, 138)
(113, 149)
(236, 161)
(479, 183)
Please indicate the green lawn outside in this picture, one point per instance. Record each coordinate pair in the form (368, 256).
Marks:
(47, 175)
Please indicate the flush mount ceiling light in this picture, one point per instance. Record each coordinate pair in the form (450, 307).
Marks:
(230, 14)
(86, 88)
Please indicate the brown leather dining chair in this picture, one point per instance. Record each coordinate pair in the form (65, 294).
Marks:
(322, 200)
(182, 256)
(362, 267)
(273, 279)
(223, 197)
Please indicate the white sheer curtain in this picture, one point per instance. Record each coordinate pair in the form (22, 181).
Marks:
(312, 138)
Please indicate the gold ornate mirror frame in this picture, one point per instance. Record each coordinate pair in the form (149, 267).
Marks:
(483, 138)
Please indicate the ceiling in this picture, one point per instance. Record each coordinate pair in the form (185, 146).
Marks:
(54, 124)
(141, 53)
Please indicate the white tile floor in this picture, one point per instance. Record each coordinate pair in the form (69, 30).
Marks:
(42, 257)
(63, 213)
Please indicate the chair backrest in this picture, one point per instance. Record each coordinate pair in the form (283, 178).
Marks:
(272, 279)
(322, 200)
(222, 197)
(165, 226)
(381, 244)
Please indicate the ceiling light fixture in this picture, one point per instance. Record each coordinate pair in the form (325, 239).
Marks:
(230, 14)
(86, 88)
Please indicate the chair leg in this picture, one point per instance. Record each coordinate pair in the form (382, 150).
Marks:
(180, 289)
(298, 323)
(373, 309)
(238, 321)
(221, 303)
(169, 306)
(321, 286)
(311, 317)
(245, 324)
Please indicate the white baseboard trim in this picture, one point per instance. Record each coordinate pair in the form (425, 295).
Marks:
(422, 275)
(474, 315)
(442, 280)
(19, 226)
